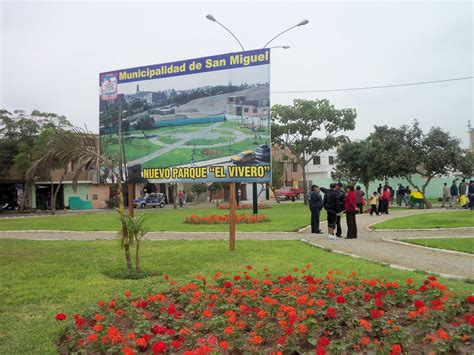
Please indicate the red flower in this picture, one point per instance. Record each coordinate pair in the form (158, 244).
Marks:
(436, 305)
(159, 347)
(60, 316)
(376, 313)
(127, 294)
(331, 312)
(224, 344)
(396, 349)
(128, 351)
(227, 284)
(323, 342)
(418, 304)
(340, 299)
(141, 342)
(176, 344)
(470, 299)
(92, 337)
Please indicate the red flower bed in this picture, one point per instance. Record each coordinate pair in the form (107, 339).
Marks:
(218, 219)
(260, 313)
(245, 206)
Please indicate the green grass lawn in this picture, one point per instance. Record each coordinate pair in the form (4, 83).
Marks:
(459, 244)
(134, 148)
(40, 279)
(283, 217)
(430, 220)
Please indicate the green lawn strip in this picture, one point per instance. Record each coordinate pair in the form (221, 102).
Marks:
(430, 220)
(43, 278)
(465, 245)
(167, 139)
(285, 217)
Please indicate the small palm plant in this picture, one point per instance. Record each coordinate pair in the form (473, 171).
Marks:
(136, 231)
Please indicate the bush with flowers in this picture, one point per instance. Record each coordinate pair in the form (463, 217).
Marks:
(218, 219)
(245, 206)
(291, 314)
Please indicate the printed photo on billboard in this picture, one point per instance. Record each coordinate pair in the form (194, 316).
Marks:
(199, 120)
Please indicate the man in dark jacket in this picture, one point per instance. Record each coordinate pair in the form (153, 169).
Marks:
(454, 193)
(315, 205)
(340, 207)
(330, 203)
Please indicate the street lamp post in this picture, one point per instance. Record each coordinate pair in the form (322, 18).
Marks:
(301, 23)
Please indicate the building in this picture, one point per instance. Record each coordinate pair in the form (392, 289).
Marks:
(321, 166)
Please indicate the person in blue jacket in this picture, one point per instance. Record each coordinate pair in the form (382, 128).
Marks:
(315, 205)
(454, 193)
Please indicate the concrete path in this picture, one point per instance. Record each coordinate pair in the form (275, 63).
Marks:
(375, 245)
(372, 245)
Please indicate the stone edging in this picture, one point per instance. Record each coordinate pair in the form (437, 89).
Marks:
(455, 252)
(393, 266)
(370, 229)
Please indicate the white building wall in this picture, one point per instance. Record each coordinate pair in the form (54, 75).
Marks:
(324, 169)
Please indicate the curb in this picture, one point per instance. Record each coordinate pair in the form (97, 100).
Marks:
(415, 230)
(454, 252)
(392, 266)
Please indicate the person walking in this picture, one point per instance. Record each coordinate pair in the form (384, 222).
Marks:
(373, 204)
(454, 193)
(446, 195)
(463, 193)
(360, 199)
(384, 200)
(330, 205)
(351, 209)
(470, 194)
(401, 195)
(180, 198)
(340, 208)
(315, 206)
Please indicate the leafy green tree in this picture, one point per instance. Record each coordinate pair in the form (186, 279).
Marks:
(309, 127)
(145, 123)
(407, 150)
(278, 175)
(354, 164)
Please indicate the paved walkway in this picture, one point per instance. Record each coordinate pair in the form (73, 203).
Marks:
(373, 245)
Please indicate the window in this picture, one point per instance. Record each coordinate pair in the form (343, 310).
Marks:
(255, 110)
(295, 167)
(317, 160)
(246, 109)
(331, 160)
(95, 197)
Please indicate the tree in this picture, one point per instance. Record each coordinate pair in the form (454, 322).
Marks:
(145, 123)
(198, 189)
(295, 127)
(407, 150)
(354, 164)
(466, 164)
(277, 177)
(82, 148)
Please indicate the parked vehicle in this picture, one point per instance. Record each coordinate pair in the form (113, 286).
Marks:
(262, 153)
(151, 200)
(3, 207)
(287, 193)
(245, 157)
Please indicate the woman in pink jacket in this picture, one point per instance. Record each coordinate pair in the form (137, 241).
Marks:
(351, 209)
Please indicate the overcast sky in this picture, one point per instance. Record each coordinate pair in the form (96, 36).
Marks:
(52, 53)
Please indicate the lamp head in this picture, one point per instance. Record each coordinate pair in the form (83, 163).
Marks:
(212, 18)
(302, 23)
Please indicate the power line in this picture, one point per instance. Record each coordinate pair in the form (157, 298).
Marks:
(374, 87)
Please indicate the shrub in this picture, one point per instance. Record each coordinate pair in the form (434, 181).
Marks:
(260, 313)
(224, 219)
(245, 206)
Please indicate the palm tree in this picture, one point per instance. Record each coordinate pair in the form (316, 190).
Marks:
(82, 147)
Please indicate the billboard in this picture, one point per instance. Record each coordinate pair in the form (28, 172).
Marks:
(199, 120)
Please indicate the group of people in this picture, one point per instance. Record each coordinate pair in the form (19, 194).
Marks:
(464, 194)
(336, 201)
